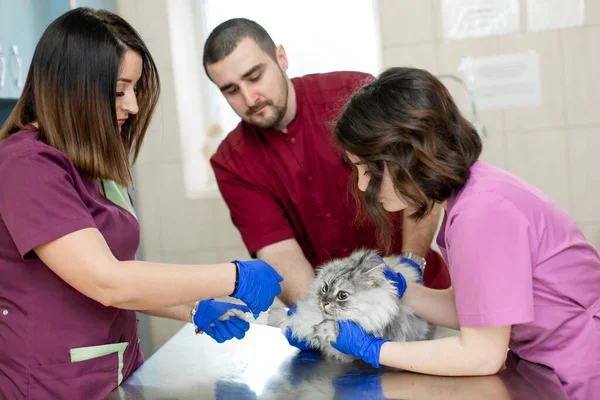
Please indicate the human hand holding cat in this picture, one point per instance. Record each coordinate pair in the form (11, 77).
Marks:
(397, 278)
(353, 340)
(301, 344)
(207, 320)
(258, 284)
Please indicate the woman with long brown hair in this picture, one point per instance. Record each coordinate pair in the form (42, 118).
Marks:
(523, 275)
(69, 281)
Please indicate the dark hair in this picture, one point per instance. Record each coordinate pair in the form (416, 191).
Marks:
(407, 120)
(71, 92)
(225, 38)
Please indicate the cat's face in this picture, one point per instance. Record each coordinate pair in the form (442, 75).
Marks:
(352, 286)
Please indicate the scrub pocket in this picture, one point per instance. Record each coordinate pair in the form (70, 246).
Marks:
(91, 379)
(80, 354)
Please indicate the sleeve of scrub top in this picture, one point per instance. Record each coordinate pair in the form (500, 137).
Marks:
(491, 262)
(255, 212)
(39, 202)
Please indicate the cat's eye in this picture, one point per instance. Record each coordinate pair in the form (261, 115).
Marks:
(342, 295)
(325, 288)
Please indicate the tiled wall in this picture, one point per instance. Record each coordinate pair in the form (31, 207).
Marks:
(174, 229)
(553, 146)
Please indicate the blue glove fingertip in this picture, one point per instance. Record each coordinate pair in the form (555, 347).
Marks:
(222, 332)
(241, 324)
(236, 330)
(277, 276)
(292, 310)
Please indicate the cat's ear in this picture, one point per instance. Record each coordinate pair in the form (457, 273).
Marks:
(375, 275)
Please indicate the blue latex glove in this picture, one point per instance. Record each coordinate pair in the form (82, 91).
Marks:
(415, 266)
(397, 278)
(208, 313)
(258, 285)
(359, 385)
(301, 344)
(353, 340)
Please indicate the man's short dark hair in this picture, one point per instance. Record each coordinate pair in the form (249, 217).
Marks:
(225, 38)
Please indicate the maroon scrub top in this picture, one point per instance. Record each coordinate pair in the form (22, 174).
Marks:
(42, 198)
(281, 185)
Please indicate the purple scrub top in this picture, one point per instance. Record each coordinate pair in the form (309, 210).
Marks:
(42, 318)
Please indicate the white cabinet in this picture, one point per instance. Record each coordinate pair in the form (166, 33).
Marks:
(22, 23)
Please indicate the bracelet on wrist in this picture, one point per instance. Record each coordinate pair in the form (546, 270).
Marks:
(237, 277)
(193, 312)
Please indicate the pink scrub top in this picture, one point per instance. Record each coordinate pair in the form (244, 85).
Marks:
(516, 258)
(56, 342)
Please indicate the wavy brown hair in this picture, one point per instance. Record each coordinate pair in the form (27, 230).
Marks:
(407, 120)
(70, 92)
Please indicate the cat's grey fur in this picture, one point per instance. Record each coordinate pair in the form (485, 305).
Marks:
(372, 303)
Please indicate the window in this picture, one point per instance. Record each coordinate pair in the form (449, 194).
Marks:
(319, 36)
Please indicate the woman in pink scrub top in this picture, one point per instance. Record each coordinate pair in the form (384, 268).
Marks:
(69, 281)
(523, 275)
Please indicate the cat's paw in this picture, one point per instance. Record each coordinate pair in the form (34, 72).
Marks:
(326, 331)
(233, 312)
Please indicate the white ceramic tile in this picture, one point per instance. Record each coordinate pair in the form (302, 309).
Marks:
(162, 142)
(187, 224)
(451, 53)
(418, 56)
(592, 12)
(551, 113)
(406, 21)
(153, 149)
(450, 56)
(581, 65)
(585, 173)
(438, 27)
(148, 208)
(541, 159)
(494, 148)
(592, 233)
(152, 255)
(227, 255)
(228, 235)
(153, 16)
(190, 257)
(128, 9)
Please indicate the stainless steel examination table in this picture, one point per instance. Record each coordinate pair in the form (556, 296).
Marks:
(264, 366)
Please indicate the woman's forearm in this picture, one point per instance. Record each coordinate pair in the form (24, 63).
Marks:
(139, 285)
(84, 260)
(178, 313)
(435, 306)
(448, 357)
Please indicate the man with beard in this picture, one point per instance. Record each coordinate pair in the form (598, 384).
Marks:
(283, 179)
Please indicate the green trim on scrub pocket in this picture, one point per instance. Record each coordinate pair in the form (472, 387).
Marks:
(88, 353)
(118, 194)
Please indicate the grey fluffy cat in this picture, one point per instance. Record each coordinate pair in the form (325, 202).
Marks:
(355, 288)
